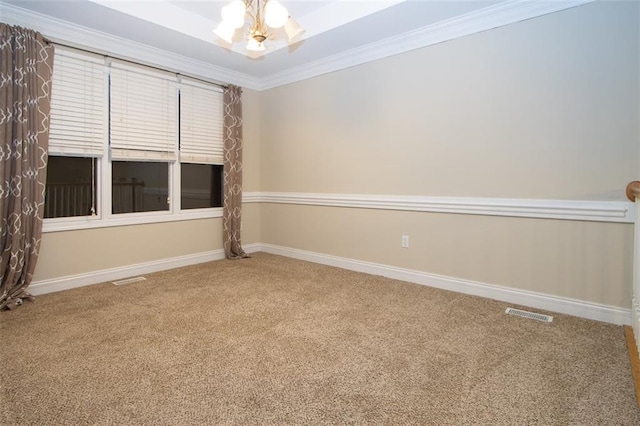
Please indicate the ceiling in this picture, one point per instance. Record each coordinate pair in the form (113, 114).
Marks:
(339, 33)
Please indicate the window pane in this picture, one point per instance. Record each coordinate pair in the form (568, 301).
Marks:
(139, 186)
(70, 188)
(200, 186)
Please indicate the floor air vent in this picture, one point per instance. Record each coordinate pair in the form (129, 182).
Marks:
(129, 280)
(530, 315)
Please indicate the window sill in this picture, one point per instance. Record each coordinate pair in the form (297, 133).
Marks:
(87, 222)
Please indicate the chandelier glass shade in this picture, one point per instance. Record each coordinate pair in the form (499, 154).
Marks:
(264, 16)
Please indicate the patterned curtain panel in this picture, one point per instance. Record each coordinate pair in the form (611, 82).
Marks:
(232, 172)
(26, 62)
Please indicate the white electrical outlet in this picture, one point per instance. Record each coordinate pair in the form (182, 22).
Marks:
(405, 241)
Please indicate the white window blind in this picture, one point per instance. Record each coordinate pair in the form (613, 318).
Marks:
(143, 114)
(78, 104)
(201, 123)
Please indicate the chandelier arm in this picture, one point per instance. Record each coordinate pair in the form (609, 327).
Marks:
(250, 10)
(258, 30)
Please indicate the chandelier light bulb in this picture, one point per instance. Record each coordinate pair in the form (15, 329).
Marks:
(234, 13)
(225, 31)
(293, 30)
(255, 45)
(275, 14)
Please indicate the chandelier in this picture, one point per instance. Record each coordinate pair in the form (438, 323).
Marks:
(265, 16)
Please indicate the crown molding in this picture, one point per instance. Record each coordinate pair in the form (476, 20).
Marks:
(501, 14)
(67, 33)
(498, 15)
(597, 211)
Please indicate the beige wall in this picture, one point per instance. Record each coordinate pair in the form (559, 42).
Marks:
(77, 252)
(251, 111)
(546, 108)
(589, 261)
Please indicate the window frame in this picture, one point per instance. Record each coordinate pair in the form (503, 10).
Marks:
(104, 216)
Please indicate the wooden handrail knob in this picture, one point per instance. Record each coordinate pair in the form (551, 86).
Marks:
(633, 190)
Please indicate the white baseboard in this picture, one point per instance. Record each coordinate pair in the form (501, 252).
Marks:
(111, 274)
(578, 308)
(252, 248)
(593, 311)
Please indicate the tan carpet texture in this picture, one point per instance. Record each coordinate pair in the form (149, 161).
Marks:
(272, 340)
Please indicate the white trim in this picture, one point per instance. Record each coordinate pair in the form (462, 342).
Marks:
(125, 219)
(599, 211)
(579, 308)
(498, 15)
(635, 285)
(593, 311)
(635, 319)
(318, 21)
(252, 248)
(66, 32)
(252, 197)
(111, 274)
(503, 13)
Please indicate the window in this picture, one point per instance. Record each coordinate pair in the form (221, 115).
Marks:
(130, 144)
(143, 138)
(70, 189)
(77, 135)
(139, 187)
(200, 186)
(144, 113)
(200, 146)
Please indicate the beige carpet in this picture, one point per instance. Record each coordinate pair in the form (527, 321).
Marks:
(271, 340)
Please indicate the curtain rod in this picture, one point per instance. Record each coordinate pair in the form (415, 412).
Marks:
(222, 86)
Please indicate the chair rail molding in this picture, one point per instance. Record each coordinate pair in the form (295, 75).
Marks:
(597, 211)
